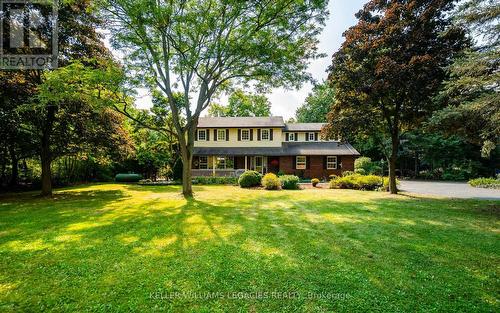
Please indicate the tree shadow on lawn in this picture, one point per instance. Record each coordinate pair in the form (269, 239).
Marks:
(383, 255)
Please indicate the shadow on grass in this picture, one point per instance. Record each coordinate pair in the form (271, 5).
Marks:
(115, 246)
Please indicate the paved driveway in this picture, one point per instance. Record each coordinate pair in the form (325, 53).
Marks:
(449, 189)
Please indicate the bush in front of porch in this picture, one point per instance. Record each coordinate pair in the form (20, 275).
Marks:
(249, 179)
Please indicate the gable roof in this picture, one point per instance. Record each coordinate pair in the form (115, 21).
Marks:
(240, 122)
(304, 126)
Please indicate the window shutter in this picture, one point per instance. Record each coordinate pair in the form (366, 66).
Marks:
(258, 134)
(208, 135)
(296, 136)
(287, 136)
(315, 136)
(295, 163)
(271, 134)
(307, 136)
(307, 162)
(215, 134)
(239, 134)
(325, 158)
(251, 134)
(227, 134)
(339, 164)
(196, 135)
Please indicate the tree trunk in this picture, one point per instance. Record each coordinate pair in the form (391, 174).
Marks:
(186, 157)
(45, 153)
(15, 169)
(392, 164)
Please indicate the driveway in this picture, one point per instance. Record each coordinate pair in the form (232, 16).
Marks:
(448, 189)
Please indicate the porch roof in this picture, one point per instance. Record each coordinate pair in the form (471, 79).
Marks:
(288, 148)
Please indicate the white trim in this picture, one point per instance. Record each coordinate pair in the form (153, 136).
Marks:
(205, 163)
(313, 136)
(303, 164)
(291, 137)
(245, 129)
(335, 163)
(205, 132)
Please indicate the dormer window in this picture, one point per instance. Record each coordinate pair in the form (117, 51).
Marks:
(265, 134)
(311, 136)
(202, 134)
(221, 134)
(291, 136)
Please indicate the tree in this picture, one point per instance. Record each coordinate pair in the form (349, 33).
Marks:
(389, 67)
(317, 104)
(471, 95)
(200, 47)
(242, 104)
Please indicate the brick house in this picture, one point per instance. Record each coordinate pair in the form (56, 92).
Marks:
(225, 146)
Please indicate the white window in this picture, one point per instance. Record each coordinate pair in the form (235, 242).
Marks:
(300, 162)
(291, 136)
(331, 162)
(221, 134)
(224, 162)
(264, 134)
(202, 134)
(311, 136)
(203, 162)
(245, 134)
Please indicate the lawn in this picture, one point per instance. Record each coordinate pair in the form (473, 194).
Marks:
(127, 248)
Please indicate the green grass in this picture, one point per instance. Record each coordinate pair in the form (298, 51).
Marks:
(128, 248)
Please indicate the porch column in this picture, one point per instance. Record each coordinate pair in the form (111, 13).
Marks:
(245, 162)
(213, 165)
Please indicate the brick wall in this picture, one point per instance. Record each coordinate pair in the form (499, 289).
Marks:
(316, 167)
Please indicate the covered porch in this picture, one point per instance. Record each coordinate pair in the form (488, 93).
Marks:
(217, 165)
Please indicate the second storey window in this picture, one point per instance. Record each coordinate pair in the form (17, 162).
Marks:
(300, 162)
(245, 134)
(202, 134)
(291, 137)
(265, 134)
(311, 136)
(331, 162)
(221, 134)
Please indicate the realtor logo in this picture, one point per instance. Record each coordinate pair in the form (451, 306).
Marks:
(28, 34)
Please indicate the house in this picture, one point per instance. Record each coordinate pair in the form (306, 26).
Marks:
(226, 145)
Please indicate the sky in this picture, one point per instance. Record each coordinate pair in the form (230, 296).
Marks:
(285, 102)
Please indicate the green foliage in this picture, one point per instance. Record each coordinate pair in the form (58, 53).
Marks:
(317, 104)
(128, 178)
(249, 179)
(289, 182)
(314, 182)
(485, 183)
(347, 173)
(242, 104)
(365, 165)
(215, 180)
(280, 173)
(356, 181)
(360, 171)
(271, 182)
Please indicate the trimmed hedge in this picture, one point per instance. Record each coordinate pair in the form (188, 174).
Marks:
(360, 182)
(289, 182)
(314, 182)
(271, 182)
(128, 178)
(483, 182)
(215, 180)
(249, 179)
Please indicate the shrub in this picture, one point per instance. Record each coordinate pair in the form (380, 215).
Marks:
(249, 179)
(281, 173)
(215, 180)
(333, 176)
(271, 182)
(289, 182)
(360, 171)
(347, 173)
(385, 187)
(356, 181)
(314, 182)
(128, 178)
(485, 183)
